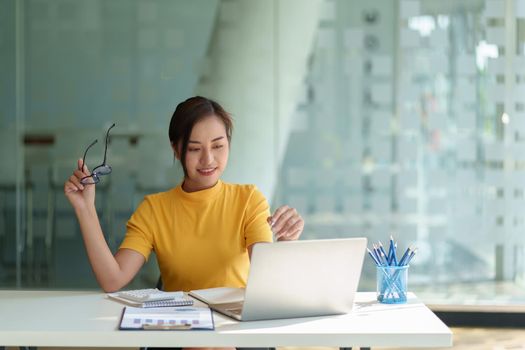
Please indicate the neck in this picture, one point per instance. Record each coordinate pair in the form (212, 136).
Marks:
(188, 186)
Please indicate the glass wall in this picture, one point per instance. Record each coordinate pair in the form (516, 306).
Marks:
(412, 125)
(372, 118)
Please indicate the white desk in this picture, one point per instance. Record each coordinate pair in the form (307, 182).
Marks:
(64, 318)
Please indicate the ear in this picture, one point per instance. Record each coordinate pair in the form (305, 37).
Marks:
(176, 151)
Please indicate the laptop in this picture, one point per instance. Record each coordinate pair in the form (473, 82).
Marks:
(299, 279)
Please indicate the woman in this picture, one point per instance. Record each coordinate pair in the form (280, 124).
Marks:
(203, 230)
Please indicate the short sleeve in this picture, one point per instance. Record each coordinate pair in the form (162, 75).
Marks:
(140, 229)
(256, 227)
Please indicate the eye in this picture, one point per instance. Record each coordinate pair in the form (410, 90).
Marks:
(217, 146)
(193, 149)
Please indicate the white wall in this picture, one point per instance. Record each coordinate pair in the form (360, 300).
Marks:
(256, 65)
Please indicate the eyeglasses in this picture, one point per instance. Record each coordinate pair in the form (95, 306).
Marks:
(100, 170)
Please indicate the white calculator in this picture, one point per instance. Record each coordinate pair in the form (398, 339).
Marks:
(151, 294)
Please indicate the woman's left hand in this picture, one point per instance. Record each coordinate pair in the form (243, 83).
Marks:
(286, 224)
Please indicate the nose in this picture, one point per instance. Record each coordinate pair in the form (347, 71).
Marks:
(207, 157)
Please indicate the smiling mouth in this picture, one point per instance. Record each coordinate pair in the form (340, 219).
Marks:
(207, 171)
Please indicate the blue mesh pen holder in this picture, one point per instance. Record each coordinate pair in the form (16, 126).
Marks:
(392, 284)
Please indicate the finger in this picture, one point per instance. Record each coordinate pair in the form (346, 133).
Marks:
(283, 218)
(291, 237)
(85, 169)
(79, 174)
(76, 182)
(278, 213)
(69, 187)
(290, 223)
(295, 231)
(294, 236)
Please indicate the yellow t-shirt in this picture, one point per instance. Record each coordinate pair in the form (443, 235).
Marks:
(200, 238)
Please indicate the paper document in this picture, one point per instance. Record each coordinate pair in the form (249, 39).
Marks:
(167, 318)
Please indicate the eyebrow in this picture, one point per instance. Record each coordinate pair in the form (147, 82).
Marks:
(215, 139)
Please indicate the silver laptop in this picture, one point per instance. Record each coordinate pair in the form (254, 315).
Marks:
(300, 279)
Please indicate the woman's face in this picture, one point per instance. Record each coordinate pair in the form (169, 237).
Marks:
(207, 154)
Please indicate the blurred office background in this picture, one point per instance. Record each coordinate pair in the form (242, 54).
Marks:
(371, 117)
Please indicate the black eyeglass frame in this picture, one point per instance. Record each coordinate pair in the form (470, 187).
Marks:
(100, 170)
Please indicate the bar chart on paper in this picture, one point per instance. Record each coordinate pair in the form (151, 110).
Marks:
(167, 318)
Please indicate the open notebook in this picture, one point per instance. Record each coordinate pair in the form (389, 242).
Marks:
(148, 298)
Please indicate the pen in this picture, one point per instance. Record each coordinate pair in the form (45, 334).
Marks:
(148, 326)
(383, 251)
(373, 257)
(411, 256)
(376, 253)
(383, 256)
(405, 255)
(391, 250)
(394, 257)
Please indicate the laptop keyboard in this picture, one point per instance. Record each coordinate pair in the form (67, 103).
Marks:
(236, 311)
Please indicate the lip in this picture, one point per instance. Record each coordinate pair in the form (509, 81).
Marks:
(208, 172)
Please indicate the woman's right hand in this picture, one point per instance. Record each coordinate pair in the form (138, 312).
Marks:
(80, 196)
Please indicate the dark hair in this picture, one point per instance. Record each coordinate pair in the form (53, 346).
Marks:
(189, 113)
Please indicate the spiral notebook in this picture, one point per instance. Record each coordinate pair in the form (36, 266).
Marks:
(148, 298)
